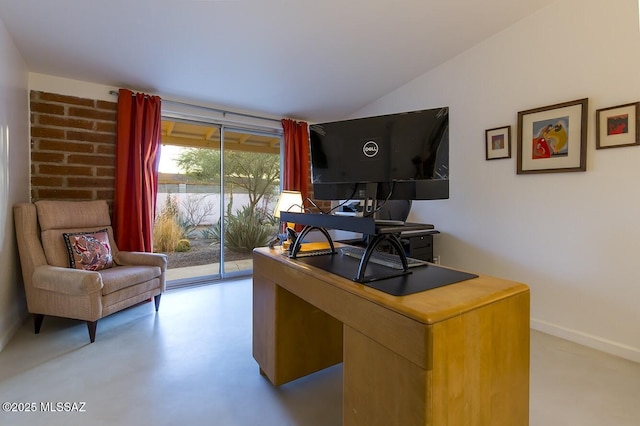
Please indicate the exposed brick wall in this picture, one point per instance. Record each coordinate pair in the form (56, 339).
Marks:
(73, 149)
(324, 205)
(73, 144)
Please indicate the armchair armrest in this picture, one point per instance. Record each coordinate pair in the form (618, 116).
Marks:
(141, 258)
(69, 281)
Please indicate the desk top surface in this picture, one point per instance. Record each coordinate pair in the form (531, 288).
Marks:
(428, 307)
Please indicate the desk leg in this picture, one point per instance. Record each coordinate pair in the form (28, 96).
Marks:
(291, 338)
(380, 386)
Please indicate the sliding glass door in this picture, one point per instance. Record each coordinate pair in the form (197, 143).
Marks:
(217, 189)
(251, 179)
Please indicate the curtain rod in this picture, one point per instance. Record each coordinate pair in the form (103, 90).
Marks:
(222, 111)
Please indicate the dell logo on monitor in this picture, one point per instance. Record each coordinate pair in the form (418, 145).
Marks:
(370, 149)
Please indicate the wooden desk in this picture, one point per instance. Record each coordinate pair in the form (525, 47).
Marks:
(454, 355)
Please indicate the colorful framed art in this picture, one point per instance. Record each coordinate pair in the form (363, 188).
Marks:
(618, 126)
(498, 143)
(553, 138)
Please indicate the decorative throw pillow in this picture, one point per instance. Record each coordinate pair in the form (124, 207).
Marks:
(90, 251)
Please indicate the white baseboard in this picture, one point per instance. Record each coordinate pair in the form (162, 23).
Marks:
(595, 342)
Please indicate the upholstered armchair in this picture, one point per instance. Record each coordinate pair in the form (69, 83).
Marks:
(71, 266)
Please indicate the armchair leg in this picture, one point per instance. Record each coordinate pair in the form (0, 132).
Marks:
(37, 322)
(157, 300)
(92, 325)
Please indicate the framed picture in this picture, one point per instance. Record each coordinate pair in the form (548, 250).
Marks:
(498, 143)
(618, 126)
(553, 138)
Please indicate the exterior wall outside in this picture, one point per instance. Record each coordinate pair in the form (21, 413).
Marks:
(211, 199)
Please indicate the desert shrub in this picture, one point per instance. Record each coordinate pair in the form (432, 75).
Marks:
(209, 233)
(245, 230)
(170, 207)
(185, 226)
(183, 245)
(166, 234)
(195, 208)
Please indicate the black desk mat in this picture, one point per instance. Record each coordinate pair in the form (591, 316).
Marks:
(420, 279)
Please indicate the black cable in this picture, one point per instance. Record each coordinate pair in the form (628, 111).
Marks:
(355, 189)
(315, 205)
(378, 207)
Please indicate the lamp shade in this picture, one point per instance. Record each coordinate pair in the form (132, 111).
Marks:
(289, 201)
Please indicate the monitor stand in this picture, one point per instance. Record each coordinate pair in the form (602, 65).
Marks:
(391, 238)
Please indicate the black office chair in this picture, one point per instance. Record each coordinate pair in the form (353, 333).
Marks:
(390, 210)
(394, 210)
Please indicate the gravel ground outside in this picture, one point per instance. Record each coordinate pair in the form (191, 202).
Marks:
(203, 252)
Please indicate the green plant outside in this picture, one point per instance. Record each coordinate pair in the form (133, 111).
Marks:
(246, 229)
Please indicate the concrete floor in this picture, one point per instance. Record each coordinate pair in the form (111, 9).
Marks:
(191, 364)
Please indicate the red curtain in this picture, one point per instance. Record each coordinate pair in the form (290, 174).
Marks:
(137, 156)
(296, 157)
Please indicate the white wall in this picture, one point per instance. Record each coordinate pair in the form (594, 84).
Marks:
(574, 238)
(14, 180)
(69, 87)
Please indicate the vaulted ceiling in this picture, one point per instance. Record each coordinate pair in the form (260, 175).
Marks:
(305, 59)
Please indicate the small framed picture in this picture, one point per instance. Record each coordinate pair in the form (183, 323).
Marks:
(553, 138)
(618, 126)
(498, 143)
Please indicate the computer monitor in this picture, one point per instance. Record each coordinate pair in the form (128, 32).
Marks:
(403, 156)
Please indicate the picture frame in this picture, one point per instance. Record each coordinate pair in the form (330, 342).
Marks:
(618, 126)
(553, 138)
(498, 143)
